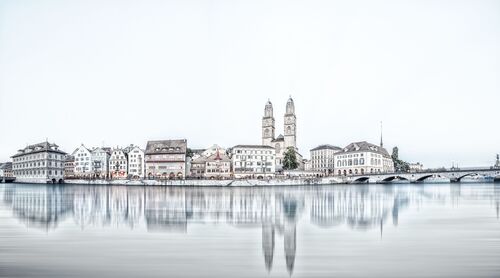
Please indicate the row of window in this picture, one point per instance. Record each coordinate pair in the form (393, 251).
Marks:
(38, 156)
(253, 152)
(37, 173)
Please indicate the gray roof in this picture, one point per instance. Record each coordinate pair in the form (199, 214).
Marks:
(365, 146)
(7, 165)
(279, 138)
(326, 146)
(40, 147)
(166, 147)
(253, 146)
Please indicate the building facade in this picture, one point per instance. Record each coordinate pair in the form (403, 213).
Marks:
(39, 163)
(361, 158)
(83, 162)
(253, 161)
(100, 162)
(282, 142)
(69, 167)
(118, 164)
(166, 159)
(136, 163)
(218, 166)
(197, 169)
(322, 159)
(6, 170)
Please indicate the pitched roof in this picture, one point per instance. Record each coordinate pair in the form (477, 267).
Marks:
(219, 156)
(279, 138)
(40, 147)
(166, 147)
(365, 146)
(327, 146)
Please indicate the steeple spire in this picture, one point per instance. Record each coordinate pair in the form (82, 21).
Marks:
(381, 142)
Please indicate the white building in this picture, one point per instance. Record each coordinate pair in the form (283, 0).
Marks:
(322, 159)
(100, 162)
(416, 167)
(136, 165)
(83, 162)
(361, 158)
(39, 163)
(254, 161)
(118, 164)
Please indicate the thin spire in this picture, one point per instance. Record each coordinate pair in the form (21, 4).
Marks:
(381, 131)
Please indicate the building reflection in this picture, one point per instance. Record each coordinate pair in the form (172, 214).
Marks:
(171, 209)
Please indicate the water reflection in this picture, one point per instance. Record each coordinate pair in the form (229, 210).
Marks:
(276, 210)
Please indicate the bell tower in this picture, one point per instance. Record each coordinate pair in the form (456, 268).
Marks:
(290, 125)
(268, 124)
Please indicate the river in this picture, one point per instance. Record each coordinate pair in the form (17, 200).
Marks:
(400, 230)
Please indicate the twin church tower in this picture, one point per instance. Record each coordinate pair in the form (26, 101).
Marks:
(280, 143)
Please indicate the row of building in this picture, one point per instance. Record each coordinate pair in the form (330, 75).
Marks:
(172, 158)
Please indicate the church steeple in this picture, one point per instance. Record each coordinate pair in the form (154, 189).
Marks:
(290, 125)
(268, 124)
(381, 142)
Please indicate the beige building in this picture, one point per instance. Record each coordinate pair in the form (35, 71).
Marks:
(197, 169)
(218, 166)
(166, 159)
(69, 167)
(361, 158)
(253, 161)
(322, 159)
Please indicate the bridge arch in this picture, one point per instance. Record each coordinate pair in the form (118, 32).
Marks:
(421, 179)
(466, 175)
(391, 178)
(361, 179)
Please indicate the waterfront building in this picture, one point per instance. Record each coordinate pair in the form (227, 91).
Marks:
(218, 166)
(307, 164)
(322, 159)
(282, 142)
(213, 150)
(42, 162)
(362, 158)
(416, 167)
(100, 162)
(136, 163)
(253, 161)
(6, 170)
(166, 159)
(69, 167)
(83, 162)
(197, 169)
(118, 164)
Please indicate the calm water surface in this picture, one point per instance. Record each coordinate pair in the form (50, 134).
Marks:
(441, 230)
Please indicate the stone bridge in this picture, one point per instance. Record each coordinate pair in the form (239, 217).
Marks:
(454, 175)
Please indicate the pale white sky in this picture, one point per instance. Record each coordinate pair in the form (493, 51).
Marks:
(123, 72)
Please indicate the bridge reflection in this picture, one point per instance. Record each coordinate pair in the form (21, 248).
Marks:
(276, 210)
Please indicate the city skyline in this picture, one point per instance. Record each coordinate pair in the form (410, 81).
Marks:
(86, 72)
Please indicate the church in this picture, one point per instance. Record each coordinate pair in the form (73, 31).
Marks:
(282, 142)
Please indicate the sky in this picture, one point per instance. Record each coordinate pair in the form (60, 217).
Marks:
(116, 73)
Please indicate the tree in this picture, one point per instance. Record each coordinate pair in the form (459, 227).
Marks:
(290, 159)
(399, 165)
(189, 153)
